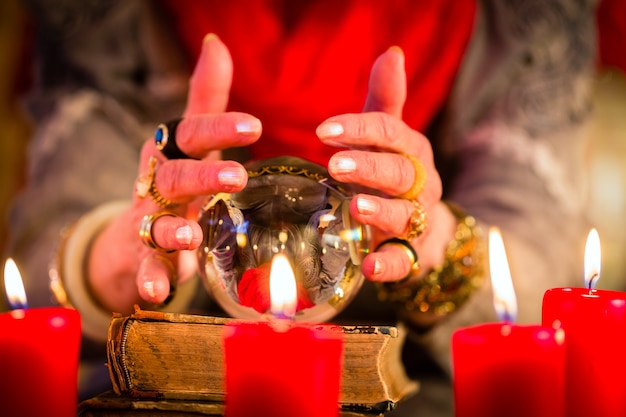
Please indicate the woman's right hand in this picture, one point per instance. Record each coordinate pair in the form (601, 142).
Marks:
(122, 269)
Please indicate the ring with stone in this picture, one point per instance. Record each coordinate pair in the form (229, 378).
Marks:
(165, 140)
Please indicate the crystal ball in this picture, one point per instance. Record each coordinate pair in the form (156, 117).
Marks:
(290, 207)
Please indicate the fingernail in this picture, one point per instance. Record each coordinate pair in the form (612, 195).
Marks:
(209, 37)
(184, 235)
(378, 267)
(248, 126)
(148, 286)
(329, 130)
(342, 165)
(232, 176)
(366, 205)
(397, 49)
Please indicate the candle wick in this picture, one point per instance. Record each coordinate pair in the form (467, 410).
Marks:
(507, 317)
(592, 281)
(17, 304)
(283, 316)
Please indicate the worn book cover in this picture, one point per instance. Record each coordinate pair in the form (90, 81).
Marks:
(109, 404)
(173, 356)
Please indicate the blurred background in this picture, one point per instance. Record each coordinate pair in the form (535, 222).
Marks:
(607, 145)
(14, 79)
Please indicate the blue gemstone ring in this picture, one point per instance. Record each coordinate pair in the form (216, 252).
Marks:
(165, 140)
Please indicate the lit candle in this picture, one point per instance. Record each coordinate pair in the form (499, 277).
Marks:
(283, 293)
(503, 369)
(279, 367)
(39, 353)
(594, 322)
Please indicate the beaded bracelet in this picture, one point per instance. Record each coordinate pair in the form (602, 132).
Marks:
(446, 287)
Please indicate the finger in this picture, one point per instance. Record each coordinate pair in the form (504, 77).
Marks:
(387, 84)
(176, 233)
(182, 180)
(210, 83)
(389, 263)
(390, 173)
(198, 135)
(391, 216)
(374, 130)
(156, 278)
(147, 150)
(187, 266)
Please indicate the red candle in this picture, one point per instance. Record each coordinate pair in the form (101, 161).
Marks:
(39, 351)
(508, 370)
(279, 367)
(503, 369)
(594, 322)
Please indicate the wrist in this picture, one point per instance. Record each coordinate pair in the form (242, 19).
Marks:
(109, 268)
(431, 246)
(442, 289)
(67, 272)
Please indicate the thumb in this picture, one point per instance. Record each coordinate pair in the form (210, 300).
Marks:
(387, 84)
(210, 83)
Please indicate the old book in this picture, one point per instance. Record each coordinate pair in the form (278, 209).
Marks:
(180, 357)
(109, 404)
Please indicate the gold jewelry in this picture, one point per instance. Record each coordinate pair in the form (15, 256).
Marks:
(420, 179)
(410, 252)
(146, 185)
(145, 180)
(417, 221)
(445, 288)
(69, 278)
(55, 269)
(67, 270)
(145, 230)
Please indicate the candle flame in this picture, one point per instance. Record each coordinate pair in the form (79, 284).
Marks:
(504, 300)
(283, 292)
(593, 259)
(13, 285)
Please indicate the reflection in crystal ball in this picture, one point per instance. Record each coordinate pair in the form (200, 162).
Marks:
(290, 207)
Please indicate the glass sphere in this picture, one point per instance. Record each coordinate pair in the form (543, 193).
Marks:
(291, 207)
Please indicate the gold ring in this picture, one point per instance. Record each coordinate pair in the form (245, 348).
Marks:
(410, 252)
(145, 230)
(420, 179)
(145, 180)
(417, 222)
(146, 185)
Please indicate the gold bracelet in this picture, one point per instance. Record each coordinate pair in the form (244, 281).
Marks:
(66, 269)
(55, 269)
(445, 288)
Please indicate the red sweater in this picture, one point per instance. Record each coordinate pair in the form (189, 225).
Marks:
(297, 63)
